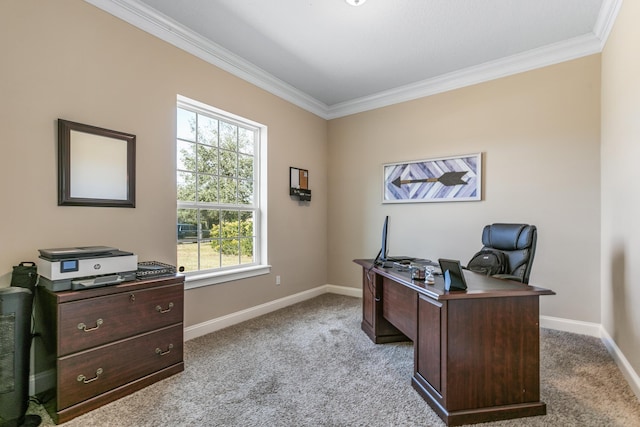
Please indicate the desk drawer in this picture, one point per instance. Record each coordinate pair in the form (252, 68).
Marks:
(87, 374)
(96, 321)
(400, 307)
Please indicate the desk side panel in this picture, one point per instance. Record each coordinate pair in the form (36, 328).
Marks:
(377, 328)
(429, 349)
(493, 352)
(368, 299)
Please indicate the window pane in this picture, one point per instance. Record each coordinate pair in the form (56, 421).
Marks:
(245, 192)
(246, 224)
(186, 124)
(246, 250)
(230, 252)
(207, 130)
(246, 140)
(207, 159)
(245, 166)
(228, 136)
(209, 255)
(186, 186)
(207, 188)
(228, 191)
(229, 245)
(228, 163)
(229, 223)
(188, 256)
(209, 220)
(187, 228)
(186, 156)
(187, 233)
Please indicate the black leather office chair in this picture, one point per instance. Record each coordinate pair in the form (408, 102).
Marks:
(517, 242)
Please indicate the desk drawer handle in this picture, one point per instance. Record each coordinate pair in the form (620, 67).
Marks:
(160, 310)
(82, 378)
(83, 327)
(162, 353)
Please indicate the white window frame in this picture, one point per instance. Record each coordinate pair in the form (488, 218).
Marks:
(201, 278)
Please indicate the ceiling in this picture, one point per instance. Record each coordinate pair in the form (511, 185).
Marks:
(334, 59)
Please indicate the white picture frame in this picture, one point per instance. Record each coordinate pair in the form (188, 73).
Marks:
(442, 179)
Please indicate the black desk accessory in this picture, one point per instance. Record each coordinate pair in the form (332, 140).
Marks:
(453, 275)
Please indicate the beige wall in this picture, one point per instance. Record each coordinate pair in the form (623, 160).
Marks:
(68, 59)
(539, 134)
(620, 173)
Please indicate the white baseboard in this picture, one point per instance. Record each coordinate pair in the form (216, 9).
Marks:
(596, 330)
(222, 322)
(42, 381)
(623, 364)
(344, 290)
(574, 326)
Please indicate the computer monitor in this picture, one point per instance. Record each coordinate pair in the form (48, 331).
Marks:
(383, 257)
(384, 250)
(382, 254)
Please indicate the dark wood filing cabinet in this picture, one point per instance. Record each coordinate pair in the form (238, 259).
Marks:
(108, 342)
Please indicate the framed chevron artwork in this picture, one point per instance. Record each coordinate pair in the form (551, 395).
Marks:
(444, 179)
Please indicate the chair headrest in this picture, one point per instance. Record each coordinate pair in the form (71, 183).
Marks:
(508, 237)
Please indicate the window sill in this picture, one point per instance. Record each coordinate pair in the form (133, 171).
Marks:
(196, 280)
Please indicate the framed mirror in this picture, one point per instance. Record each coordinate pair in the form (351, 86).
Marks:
(96, 166)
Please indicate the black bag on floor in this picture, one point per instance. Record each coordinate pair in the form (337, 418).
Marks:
(25, 275)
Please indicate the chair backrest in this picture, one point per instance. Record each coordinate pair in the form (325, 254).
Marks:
(517, 242)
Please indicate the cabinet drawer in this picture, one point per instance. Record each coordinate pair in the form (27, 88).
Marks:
(87, 374)
(96, 321)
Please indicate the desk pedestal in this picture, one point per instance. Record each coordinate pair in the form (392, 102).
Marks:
(476, 353)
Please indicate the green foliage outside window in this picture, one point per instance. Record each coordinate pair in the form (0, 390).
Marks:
(230, 242)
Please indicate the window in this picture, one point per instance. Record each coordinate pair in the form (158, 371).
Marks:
(219, 210)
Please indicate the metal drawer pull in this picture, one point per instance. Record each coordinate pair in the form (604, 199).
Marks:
(83, 327)
(159, 309)
(87, 381)
(162, 353)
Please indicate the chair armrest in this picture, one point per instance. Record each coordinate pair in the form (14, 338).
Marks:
(508, 277)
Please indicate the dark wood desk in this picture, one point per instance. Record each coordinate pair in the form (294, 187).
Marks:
(476, 352)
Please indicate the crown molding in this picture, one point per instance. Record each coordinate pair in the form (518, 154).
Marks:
(147, 19)
(519, 63)
(575, 48)
(606, 19)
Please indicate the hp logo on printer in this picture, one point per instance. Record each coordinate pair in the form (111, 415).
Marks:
(96, 266)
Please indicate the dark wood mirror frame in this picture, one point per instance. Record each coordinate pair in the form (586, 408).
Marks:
(96, 166)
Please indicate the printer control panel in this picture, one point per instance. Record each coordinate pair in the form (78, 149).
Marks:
(69, 265)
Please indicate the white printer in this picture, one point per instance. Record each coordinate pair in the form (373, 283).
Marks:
(61, 269)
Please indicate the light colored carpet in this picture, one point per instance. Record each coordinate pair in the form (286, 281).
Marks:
(311, 365)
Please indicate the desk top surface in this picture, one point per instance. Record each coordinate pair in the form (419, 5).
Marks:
(478, 285)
